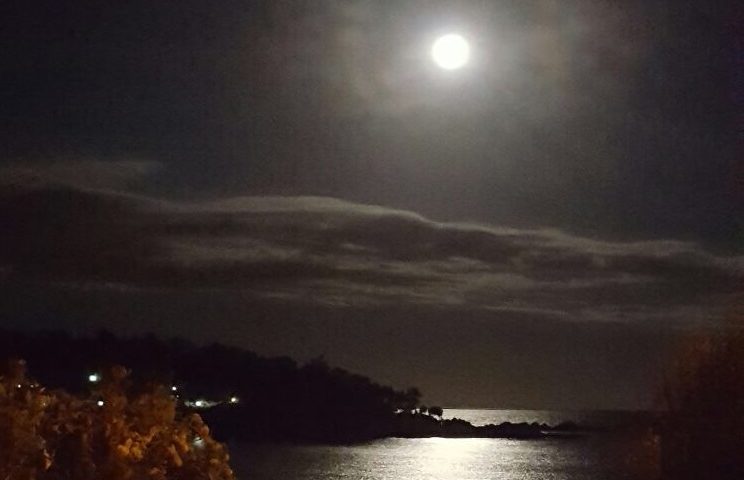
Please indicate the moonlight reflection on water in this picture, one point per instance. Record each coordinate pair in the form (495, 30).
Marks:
(448, 458)
(430, 459)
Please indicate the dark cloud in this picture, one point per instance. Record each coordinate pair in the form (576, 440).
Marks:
(331, 252)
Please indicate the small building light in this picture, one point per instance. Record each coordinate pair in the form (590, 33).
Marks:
(99, 403)
(200, 403)
(174, 388)
(234, 400)
(19, 385)
(94, 378)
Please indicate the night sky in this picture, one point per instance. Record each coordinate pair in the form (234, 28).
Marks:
(298, 177)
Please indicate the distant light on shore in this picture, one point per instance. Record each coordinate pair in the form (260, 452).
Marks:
(201, 403)
(94, 378)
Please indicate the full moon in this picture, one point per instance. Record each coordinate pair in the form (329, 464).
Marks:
(450, 51)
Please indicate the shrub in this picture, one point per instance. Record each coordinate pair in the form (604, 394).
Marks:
(116, 432)
(703, 432)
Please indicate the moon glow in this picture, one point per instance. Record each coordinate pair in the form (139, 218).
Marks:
(450, 51)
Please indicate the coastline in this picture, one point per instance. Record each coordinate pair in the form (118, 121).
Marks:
(254, 428)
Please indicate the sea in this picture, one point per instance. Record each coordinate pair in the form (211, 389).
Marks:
(598, 456)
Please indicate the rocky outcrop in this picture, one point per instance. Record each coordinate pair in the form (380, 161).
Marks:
(409, 425)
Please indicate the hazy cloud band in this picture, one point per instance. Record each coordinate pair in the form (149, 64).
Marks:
(342, 254)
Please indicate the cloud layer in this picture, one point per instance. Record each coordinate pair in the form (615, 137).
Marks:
(339, 254)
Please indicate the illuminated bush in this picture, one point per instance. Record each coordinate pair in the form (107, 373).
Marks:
(115, 433)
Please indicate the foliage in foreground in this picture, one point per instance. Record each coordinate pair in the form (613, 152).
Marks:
(115, 433)
(703, 432)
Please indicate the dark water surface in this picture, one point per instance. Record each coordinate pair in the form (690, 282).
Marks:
(596, 457)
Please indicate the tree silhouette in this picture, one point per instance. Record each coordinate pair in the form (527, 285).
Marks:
(336, 405)
(436, 411)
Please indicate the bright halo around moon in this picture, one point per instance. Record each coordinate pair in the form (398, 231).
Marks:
(451, 51)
